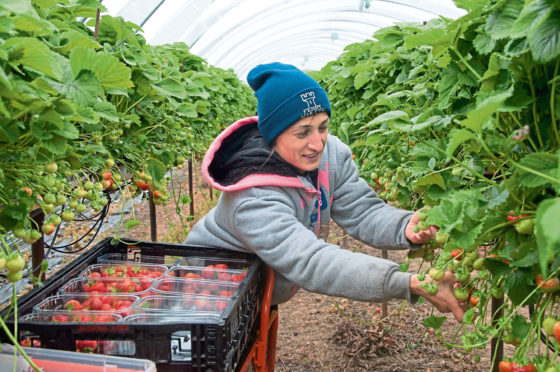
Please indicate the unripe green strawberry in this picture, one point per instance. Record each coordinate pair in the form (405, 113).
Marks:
(442, 237)
(47, 208)
(461, 293)
(72, 203)
(50, 168)
(49, 198)
(525, 227)
(67, 216)
(15, 263)
(478, 264)
(60, 200)
(548, 326)
(436, 274)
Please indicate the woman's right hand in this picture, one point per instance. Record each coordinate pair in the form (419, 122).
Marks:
(444, 300)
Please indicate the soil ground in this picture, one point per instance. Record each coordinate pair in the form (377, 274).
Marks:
(322, 333)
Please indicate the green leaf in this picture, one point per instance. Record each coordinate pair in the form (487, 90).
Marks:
(484, 44)
(547, 232)
(470, 316)
(432, 179)
(416, 126)
(458, 137)
(534, 164)
(187, 110)
(75, 39)
(470, 5)
(544, 41)
(499, 24)
(362, 78)
(20, 7)
(389, 117)
(68, 131)
(434, 322)
(496, 198)
(484, 111)
(107, 111)
(518, 286)
(496, 267)
(131, 223)
(56, 145)
(83, 90)
(534, 13)
(170, 87)
(9, 132)
(33, 53)
(109, 70)
(516, 47)
(520, 327)
(31, 24)
(447, 87)
(38, 130)
(156, 169)
(430, 36)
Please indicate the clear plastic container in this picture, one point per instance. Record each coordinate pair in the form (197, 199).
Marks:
(202, 261)
(134, 286)
(64, 316)
(112, 258)
(124, 270)
(208, 272)
(182, 286)
(187, 305)
(50, 360)
(155, 317)
(109, 303)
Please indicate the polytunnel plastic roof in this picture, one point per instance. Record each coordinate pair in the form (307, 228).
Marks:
(240, 34)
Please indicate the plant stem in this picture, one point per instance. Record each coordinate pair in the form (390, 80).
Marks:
(552, 103)
(535, 115)
(479, 78)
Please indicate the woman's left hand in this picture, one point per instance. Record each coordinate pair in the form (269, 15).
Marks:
(423, 235)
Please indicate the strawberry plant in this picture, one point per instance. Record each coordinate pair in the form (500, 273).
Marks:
(89, 109)
(462, 117)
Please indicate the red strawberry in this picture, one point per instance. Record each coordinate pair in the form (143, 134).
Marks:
(73, 305)
(95, 303)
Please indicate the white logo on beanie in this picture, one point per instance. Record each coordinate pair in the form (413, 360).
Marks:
(312, 107)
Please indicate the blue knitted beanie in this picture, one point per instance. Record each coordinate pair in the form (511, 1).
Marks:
(284, 94)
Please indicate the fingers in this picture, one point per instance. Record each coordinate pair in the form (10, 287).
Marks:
(458, 309)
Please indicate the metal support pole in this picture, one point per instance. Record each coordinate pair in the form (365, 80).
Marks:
(496, 345)
(38, 247)
(384, 311)
(153, 222)
(191, 192)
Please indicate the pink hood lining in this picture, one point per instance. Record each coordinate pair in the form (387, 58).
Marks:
(251, 180)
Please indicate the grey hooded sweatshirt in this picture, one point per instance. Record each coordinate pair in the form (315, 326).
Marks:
(268, 208)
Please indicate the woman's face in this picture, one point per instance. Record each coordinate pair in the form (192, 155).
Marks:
(302, 144)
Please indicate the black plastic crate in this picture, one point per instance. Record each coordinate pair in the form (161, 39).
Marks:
(212, 344)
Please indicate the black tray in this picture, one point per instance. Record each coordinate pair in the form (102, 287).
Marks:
(202, 345)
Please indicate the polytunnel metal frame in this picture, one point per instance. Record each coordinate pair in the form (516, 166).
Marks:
(240, 34)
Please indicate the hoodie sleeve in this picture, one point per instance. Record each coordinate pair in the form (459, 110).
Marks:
(265, 223)
(357, 209)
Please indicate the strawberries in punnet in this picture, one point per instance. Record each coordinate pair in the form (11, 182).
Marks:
(209, 272)
(86, 346)
(73, 305)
